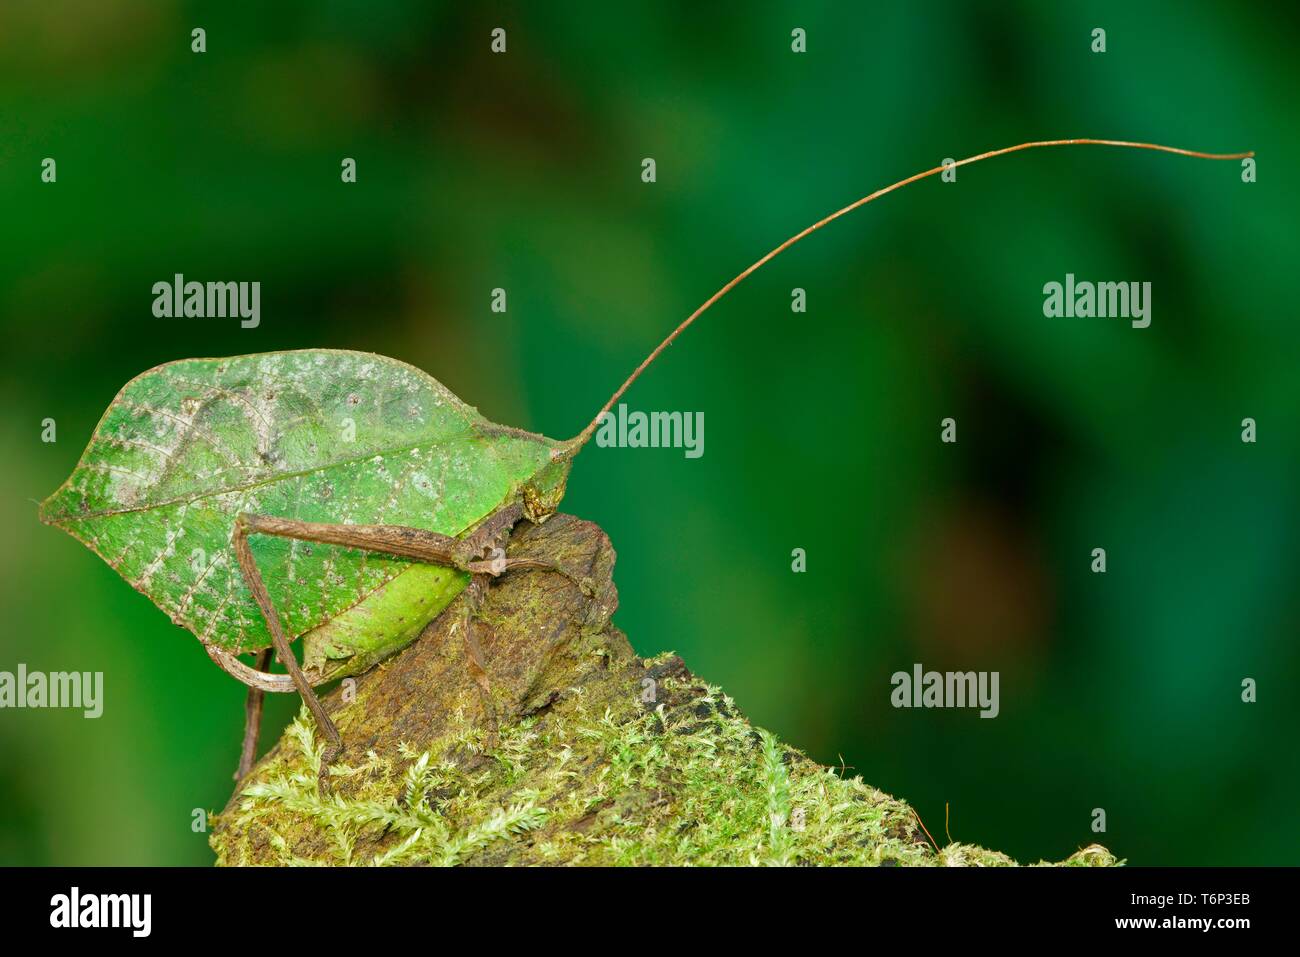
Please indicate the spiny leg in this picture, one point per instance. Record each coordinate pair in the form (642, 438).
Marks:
(494, 530)
(252, 719)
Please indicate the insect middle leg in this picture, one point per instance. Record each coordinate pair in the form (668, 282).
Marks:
(488, 542)
(253, 578)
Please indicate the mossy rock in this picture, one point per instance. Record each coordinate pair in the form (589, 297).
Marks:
(598, 757)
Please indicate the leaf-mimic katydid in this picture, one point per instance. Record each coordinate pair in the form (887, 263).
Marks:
(375, 497)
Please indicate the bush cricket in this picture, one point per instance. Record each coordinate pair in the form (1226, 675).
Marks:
(376, 497)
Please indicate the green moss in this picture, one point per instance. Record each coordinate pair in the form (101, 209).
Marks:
(596, 779)
(602, 757)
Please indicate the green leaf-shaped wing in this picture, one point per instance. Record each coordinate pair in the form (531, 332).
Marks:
(319, 435)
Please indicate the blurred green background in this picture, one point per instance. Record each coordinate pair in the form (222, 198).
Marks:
(522, 171)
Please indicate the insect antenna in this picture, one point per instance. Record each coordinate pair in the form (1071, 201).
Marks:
(574, 445)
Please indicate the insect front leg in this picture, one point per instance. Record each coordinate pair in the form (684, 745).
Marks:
(485, 545)
(584, 582)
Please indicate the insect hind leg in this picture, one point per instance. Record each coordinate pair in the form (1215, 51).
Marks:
(417, 544)
(244, 525)
(481, 553)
